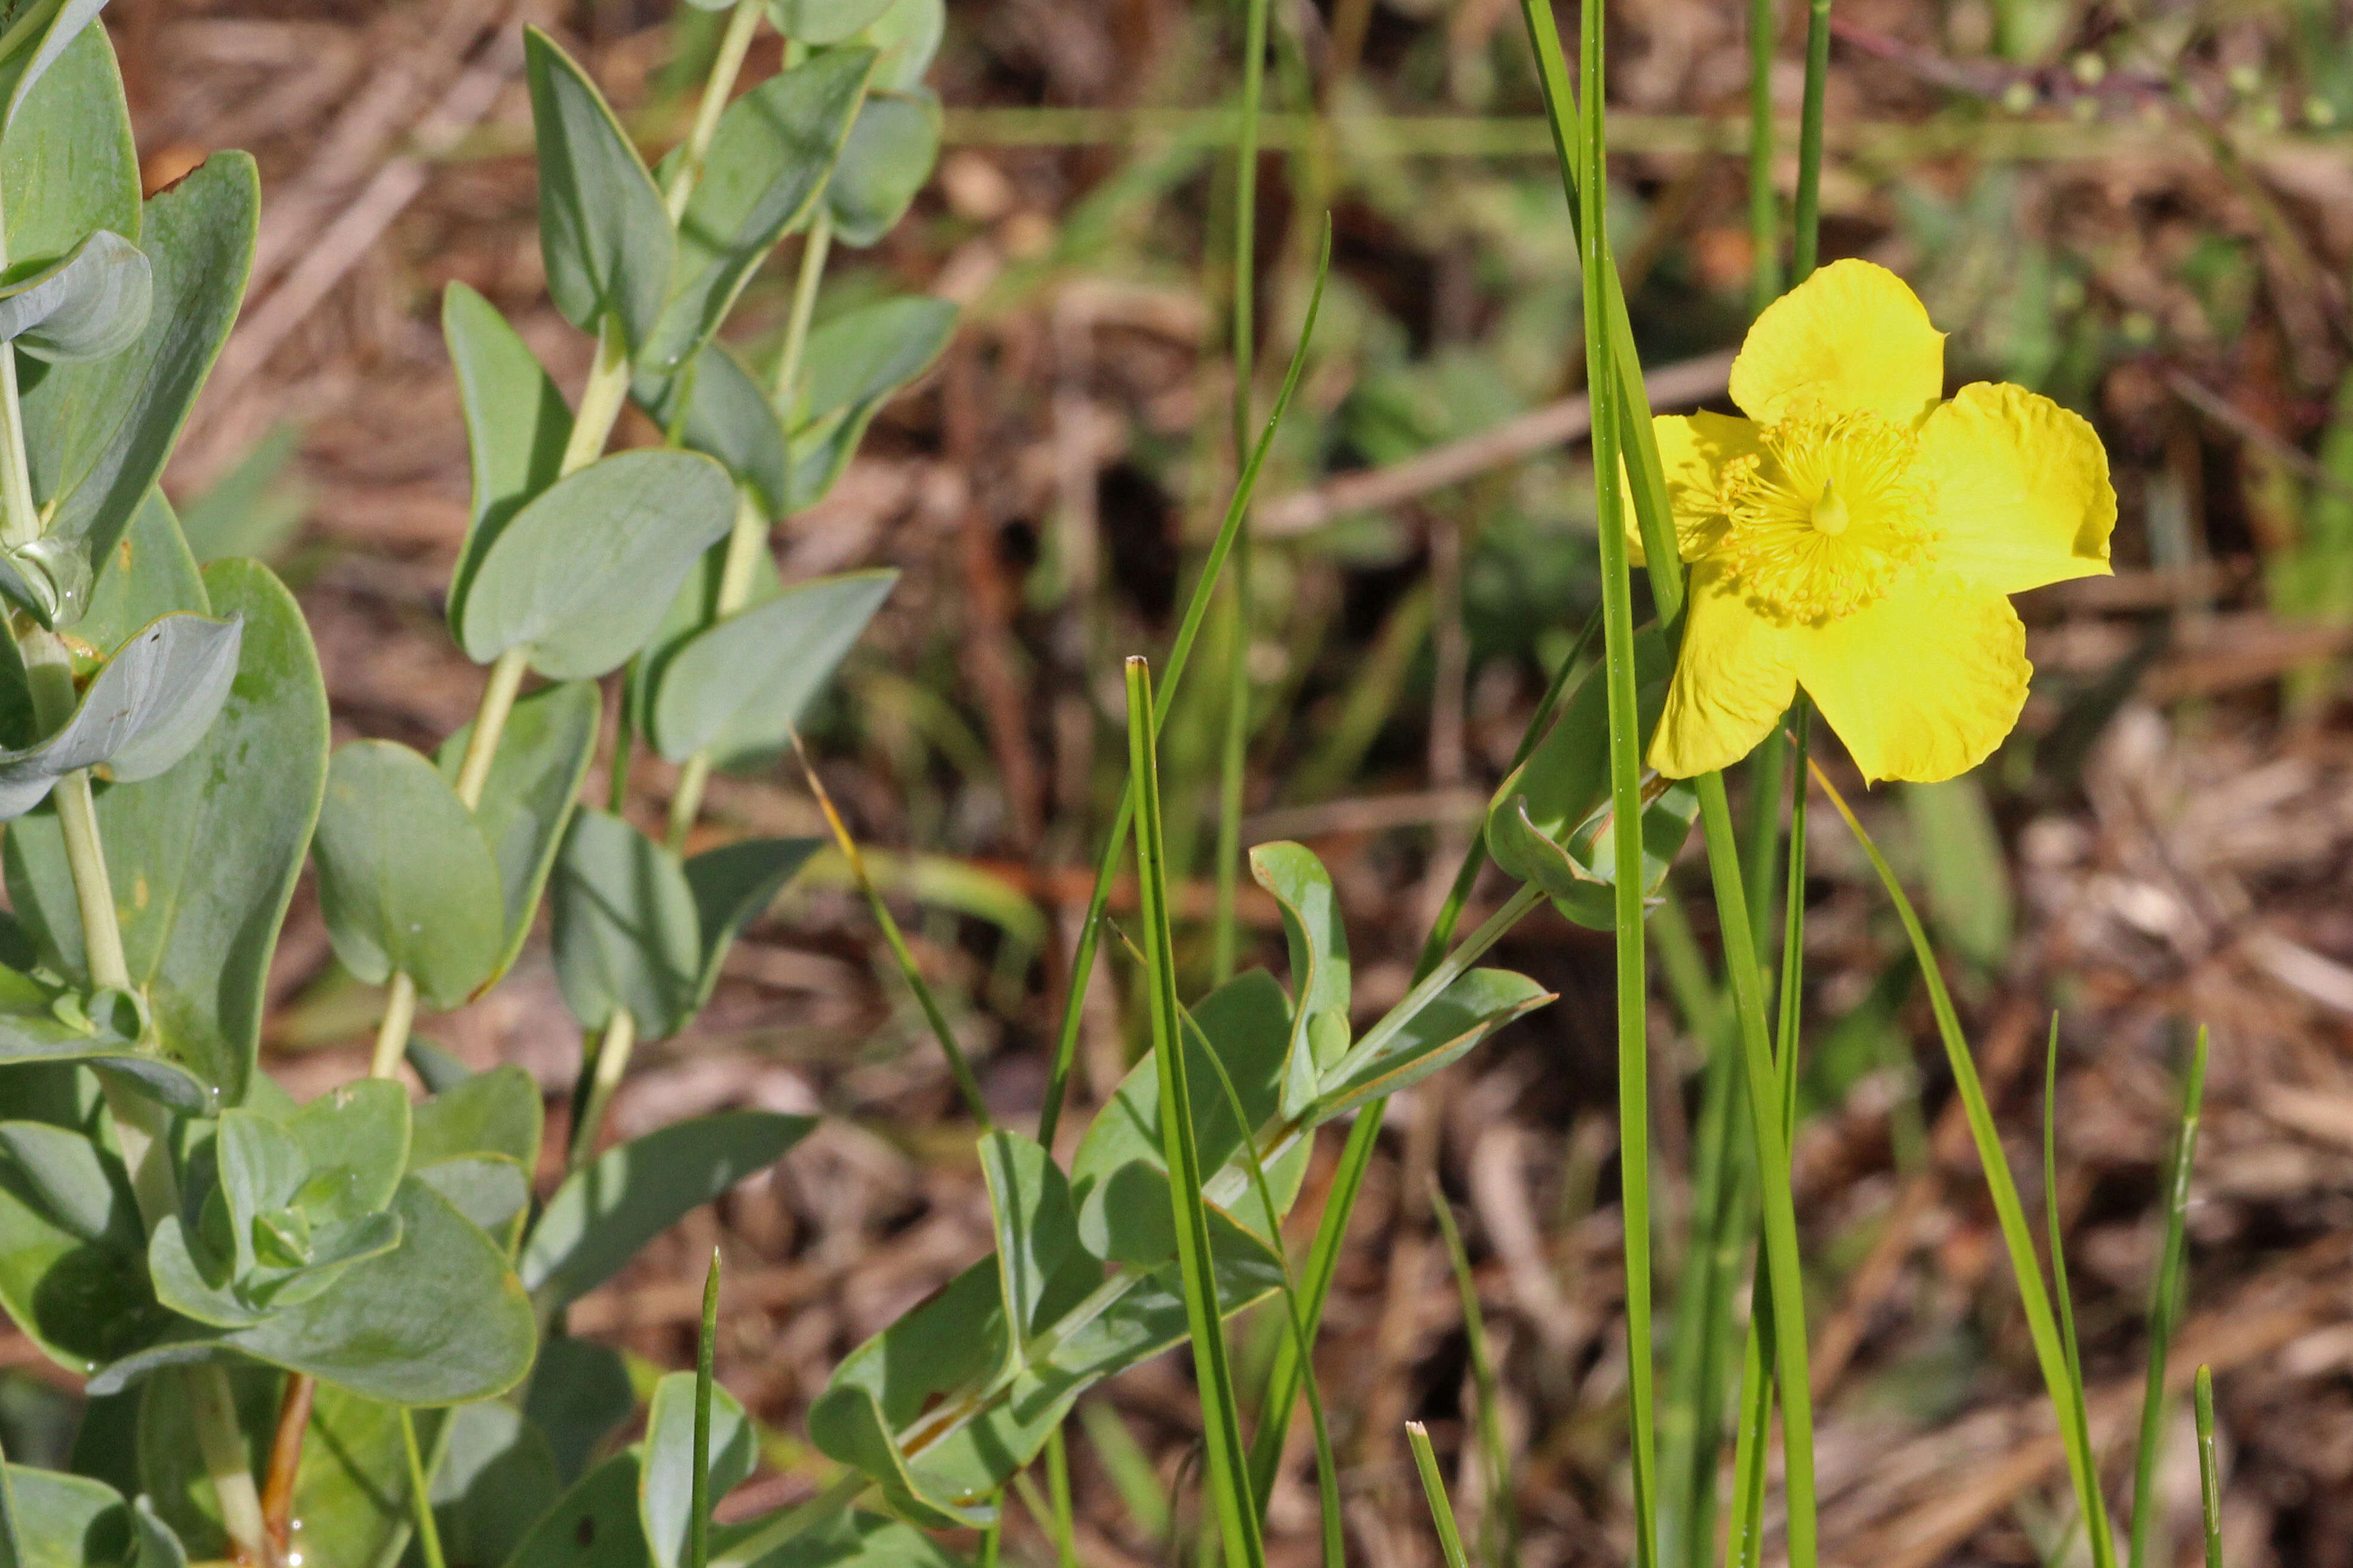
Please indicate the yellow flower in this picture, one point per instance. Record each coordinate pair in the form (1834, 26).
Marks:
(1858, 536)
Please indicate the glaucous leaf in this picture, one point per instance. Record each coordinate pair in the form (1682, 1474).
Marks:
(772, 155)
(30, 62)
(603, 228)
(492, 1112)
(1320, 973)
(202, 858)
(1119, 1176)
(1037, 1229)
(627, 933)
(887, 158)
(89, 303)
(255, 508)
(527, 801)
(406, 880)
(632, 1193)
(582, 572)
(855, 363)
(145, 710)
(732, 886)
(496, 1478)
(61, 1521)
(492, 1191)
(727, 416)
(72, 1271)
(578, 1394)
(150, 573)
(594, 1525)
(740, 686)
(666, 1482)
(516, 426)
(438, 1320)
(98, 433)
(819, 22)
(853, 1539)
(1475, 1007)
(904, 39)
(68, 164)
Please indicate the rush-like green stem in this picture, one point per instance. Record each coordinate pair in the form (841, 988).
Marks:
(1785, 1277)
(213, 1409)
(698, 1518)
(1057, 1495)
(612, 1049)
(1434, 1489)
(2165, 1309)
(2209, 1472)
(1066, 1039)
(1810, 141)
(1763, 205)
(1226, 1477)
(1234, 752)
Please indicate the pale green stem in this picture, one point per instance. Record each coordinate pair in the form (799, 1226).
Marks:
(482, 745)
(620, 1038)
(420, 1494)
(600, 399)
(392, 1032)
(797, 325)
(725, 67)
(214, 1409)
(20, 517)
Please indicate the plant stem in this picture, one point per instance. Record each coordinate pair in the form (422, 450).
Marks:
(2165, 1309)
(1433, 1488)
(1065, 1040)
(1058, 1496)
(725, 66)
(490, 722)
(601, 398)
(1235, 751)
(420, 1493)
(612, 1048)
(1810, 141)
(219, 1438)
(1783, 1274)
(698, 1516)
(749, 535)
(966, 1085)
(286, 1459)
(2210, 1475)
(392, 1030)
(1763, 205)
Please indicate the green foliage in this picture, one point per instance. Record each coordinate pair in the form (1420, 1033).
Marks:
(885, 160)
(70, 1522)
(406, 879)
(602, 228)
(527, 800)
(857, 362)
(738, 688)
(69, 165)
(88, 304)
(147, 709)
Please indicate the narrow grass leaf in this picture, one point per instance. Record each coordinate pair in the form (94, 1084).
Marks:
(1498, 1525)
(2165, 1307)
(1433, 1487)
(2210, 1478)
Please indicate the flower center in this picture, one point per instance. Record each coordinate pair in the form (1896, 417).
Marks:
(1819, 522)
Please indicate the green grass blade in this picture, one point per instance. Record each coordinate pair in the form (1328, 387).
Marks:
(1235, 749)
(2210, 1477)
(1499, 1525)
(1433, 1487)
(420, 1494)
(1066, 1035)
(1755, 1437)
(1124, 1461)
(2164, 1308)
(1228, 1480)
(697, 1519)
(2041, 1323)
(1784, 1274)
(1058, 1493)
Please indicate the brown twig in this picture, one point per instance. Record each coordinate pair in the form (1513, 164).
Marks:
(285, 1461)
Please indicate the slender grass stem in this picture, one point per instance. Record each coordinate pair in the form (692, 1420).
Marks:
(1433, 1488)
(1498, 1527)
(2042, 1324)
(1234, 751)
(1809, 214)
(1061, 1520)
(1066, 1039)
(966, 1085)
(2209, 1472)
(1784, 1276)
(2165, 1309)
(1227, 1480)
(2097, 1520)
(420, 1494)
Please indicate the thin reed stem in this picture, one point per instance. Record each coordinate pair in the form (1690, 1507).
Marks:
(1234, 750)
(420, 1494)
(1433, 1488)
(1763, 202)
(698, 1518)
(2165, 1298)
(2209, 1474)
(1227, 1478)
(1809, 216)
(1066, 1039)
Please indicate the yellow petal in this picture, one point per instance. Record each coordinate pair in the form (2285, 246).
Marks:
(2022, 492)
(1851, 339)
(1924, 684)
(1692, 450)
(1733, 681)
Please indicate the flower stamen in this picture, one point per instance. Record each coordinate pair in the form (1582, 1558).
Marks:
(1819, 522)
